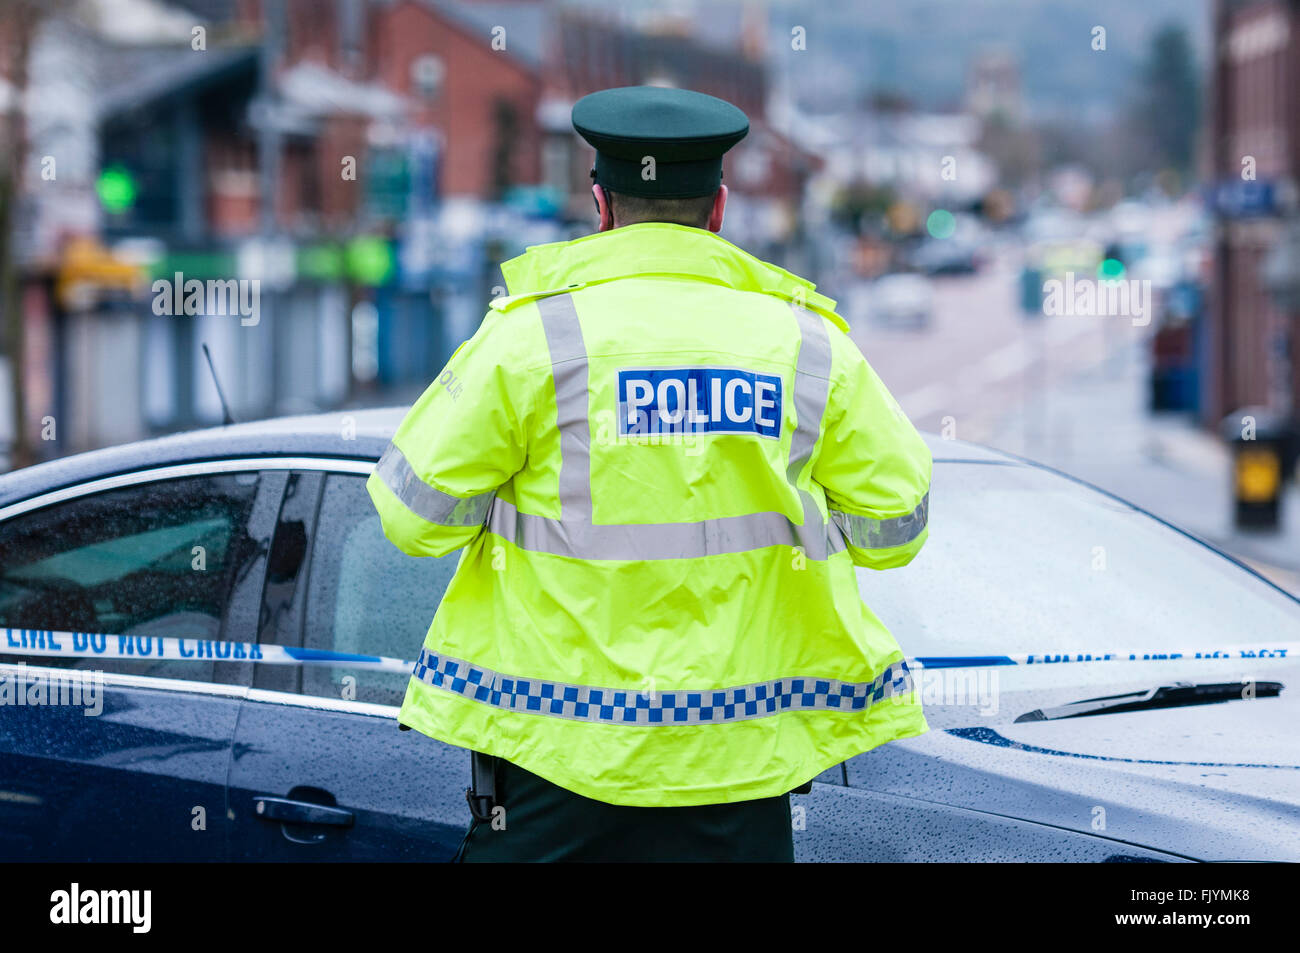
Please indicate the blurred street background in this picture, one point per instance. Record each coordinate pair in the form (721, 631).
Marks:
(1069, 230)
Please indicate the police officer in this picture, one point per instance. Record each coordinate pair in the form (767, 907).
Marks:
(665, 459)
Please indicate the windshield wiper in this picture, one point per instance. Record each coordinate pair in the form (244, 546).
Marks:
(1166, 696)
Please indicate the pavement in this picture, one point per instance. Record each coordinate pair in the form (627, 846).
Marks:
(1070, 392)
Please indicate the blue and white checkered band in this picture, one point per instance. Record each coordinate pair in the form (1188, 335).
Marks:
(616, 706)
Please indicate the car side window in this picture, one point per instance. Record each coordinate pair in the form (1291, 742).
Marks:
(365, 596)
(153, 559)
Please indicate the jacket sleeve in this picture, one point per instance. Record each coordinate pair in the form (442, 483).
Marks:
(464, 438)
(873, 465)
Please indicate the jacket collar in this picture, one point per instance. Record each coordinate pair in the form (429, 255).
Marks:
(655, 248)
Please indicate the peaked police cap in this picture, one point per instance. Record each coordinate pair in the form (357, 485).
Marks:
(685, 133)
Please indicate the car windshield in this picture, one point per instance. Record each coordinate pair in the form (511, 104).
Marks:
(1021, 560)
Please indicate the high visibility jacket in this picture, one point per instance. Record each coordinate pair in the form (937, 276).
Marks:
(664, 459)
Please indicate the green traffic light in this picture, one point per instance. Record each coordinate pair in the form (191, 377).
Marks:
(1112, 269)
(369, 259)
(116, 189)
(941, 223)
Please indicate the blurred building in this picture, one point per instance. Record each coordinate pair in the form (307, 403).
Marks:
(307, 146)
(1254, 152)
(367, 163)
(766, 173)
(475, 79)
(993, 86)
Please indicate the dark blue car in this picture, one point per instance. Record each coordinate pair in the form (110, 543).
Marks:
(263, 533)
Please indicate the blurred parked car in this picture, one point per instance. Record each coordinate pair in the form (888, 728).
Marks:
(901, 300)
(1059, 241)
(946, 256)
(964, 251)
(1163, 266)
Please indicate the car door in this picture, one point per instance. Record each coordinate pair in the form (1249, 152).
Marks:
(133, 765)
(320, 769)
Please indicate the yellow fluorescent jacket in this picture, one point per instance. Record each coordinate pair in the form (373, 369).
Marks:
(665, 459)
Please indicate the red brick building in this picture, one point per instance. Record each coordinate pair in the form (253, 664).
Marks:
(591, 52)
(466, 82)
(494, 81)
(455, 80)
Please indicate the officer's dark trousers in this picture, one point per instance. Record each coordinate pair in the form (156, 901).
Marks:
(545, 822)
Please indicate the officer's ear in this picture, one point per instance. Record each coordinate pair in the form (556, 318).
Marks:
(719, 206)
(603, 208)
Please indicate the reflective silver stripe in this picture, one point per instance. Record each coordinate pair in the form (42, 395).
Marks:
(574, 534)
(635, 541)
(619, 706)
(811, 387)
(569, 369)
(867, 533)
(426, 502)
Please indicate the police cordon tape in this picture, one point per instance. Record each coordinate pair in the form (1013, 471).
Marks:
(1275, 650)
(155, 648)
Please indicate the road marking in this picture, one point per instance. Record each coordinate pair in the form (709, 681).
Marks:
(1012, 359)
(1060, 332)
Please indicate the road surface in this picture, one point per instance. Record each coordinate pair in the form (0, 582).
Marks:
(1070, 392)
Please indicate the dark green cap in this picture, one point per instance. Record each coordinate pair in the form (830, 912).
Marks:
(685, 133)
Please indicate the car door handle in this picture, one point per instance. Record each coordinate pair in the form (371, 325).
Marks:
(300, 812)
